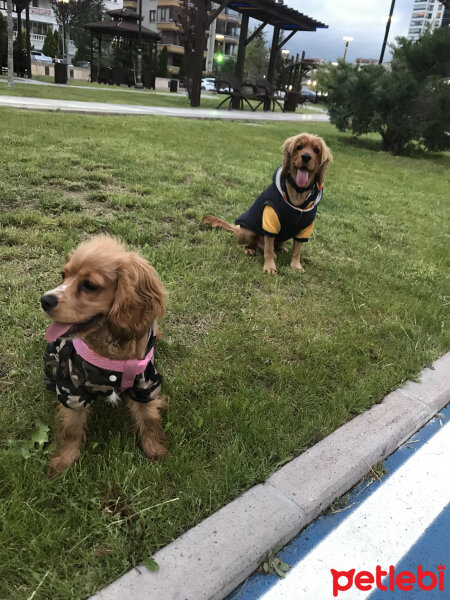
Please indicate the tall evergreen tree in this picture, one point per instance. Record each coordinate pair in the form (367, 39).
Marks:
(49, 48)
(162, 62)
(256, 58)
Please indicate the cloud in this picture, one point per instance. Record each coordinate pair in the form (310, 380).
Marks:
(364, 21)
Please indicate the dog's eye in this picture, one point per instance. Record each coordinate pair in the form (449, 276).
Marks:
(316, 150)
(63, 275)
(299, 147)
(88, 285)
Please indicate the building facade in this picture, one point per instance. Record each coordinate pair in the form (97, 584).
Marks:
(158, 15)
(42, 18)
(427, 14)
(162, 17)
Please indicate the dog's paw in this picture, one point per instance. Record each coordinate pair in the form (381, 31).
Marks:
(153, 449)
(56, 467)
(249, 251)
(271, 269)
(297, 267)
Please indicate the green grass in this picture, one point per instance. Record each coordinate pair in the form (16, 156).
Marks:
(94, 92)
(258, 367)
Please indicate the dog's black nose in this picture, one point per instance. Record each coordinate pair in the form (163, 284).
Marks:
(48, 302)
(306, 158)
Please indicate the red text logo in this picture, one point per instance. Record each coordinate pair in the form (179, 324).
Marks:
(403, 580)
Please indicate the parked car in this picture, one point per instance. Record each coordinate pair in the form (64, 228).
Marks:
(208, 84)
(40, 57)
(308, 95)
(85, 64)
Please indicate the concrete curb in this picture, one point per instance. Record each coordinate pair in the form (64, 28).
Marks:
(211, 559)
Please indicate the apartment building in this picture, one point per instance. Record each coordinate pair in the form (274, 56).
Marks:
(43, 18)
(427, 14)
(158, 15)
(223, 38)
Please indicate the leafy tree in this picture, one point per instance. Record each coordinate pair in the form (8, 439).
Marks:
(229, 64)
(408, 104)
(185, 20)
(162, 62)
(73, 16)
(23, 43)
(256, 58)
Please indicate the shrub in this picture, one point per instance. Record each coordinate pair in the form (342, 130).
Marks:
(408, 104)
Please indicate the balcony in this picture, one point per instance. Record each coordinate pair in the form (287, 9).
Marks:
(167, 26)
(163, 3)
(173, 48)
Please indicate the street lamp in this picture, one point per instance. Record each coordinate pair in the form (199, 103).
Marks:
(63, 14)
(347, 39)
(386, 34)
(138, 84)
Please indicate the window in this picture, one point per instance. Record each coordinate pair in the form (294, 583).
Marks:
(163, 15)
(152, 16)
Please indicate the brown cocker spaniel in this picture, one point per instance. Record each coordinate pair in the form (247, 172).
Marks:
(287, 208)
(101, 343)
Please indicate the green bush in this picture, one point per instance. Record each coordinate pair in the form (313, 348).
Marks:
(408, 104)
(162, 63)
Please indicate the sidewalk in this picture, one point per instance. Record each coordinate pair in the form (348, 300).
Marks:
(213, 558)
(102, 108)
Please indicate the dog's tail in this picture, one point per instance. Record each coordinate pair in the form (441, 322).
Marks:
(216, 222)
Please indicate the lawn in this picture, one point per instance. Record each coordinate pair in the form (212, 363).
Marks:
(258, 367)
(94, 92)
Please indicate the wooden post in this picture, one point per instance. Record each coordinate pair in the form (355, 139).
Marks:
(92, 58)
(273, 53)
(27, 28)
(239, 69)
(10, 26)
(200, 44)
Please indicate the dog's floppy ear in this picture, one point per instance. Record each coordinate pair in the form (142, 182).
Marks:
(287, 152)
(140, 298)
(327, 157)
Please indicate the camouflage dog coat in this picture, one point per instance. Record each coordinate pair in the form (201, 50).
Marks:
(78, 380)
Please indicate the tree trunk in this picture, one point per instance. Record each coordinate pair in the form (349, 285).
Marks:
(200, 44)
(10, 44)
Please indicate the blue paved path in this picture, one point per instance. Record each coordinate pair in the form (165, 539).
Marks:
(402, 521)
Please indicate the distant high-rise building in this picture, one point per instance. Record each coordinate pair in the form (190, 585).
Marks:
(427, 14)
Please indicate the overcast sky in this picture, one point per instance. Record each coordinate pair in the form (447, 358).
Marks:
(364, 20)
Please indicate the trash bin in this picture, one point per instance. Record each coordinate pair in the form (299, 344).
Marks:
(60, 72)
(290, 101)
(173, 85)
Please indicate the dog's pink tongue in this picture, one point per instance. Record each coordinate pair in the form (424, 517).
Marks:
(56, 330)
(301, 179)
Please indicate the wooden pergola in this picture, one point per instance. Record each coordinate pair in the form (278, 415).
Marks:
(125, 30)
(268, 12)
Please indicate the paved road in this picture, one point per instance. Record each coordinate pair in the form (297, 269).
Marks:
(402, 521)
(103, 108)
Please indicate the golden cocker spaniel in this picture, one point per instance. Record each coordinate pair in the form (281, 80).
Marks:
(101, 343)
(287, 208)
